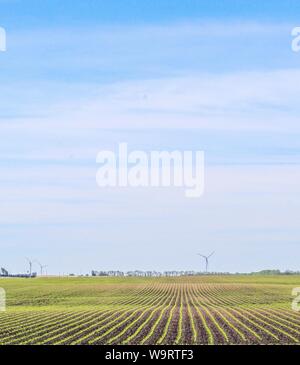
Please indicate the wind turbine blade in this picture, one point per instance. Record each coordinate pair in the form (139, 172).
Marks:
(38, 262)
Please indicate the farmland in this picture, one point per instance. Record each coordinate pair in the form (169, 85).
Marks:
(185, 310)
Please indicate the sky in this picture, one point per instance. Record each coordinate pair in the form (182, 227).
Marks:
(81, 76)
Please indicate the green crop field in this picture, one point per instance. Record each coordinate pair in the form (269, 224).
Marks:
(184, 310)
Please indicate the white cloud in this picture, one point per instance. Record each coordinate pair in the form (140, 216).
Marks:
(247, 101)
(240, 101)
(49, 125)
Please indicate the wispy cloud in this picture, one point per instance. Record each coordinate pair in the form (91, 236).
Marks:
(266, 101)
(228, 88)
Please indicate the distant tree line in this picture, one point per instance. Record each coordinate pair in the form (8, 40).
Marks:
(275, 272)
(5, 274)
(139, 273)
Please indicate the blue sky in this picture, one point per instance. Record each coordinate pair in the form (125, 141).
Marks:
(81, 76)
(91, 12)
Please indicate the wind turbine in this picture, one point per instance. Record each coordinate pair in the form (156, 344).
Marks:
(206, 260)
(42, 267)
(30, 265)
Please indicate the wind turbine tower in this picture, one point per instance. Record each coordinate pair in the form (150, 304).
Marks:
(206, 260)
(42, 267)
(30, 265)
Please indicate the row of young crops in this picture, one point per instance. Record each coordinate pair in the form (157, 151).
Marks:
(162, 313)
